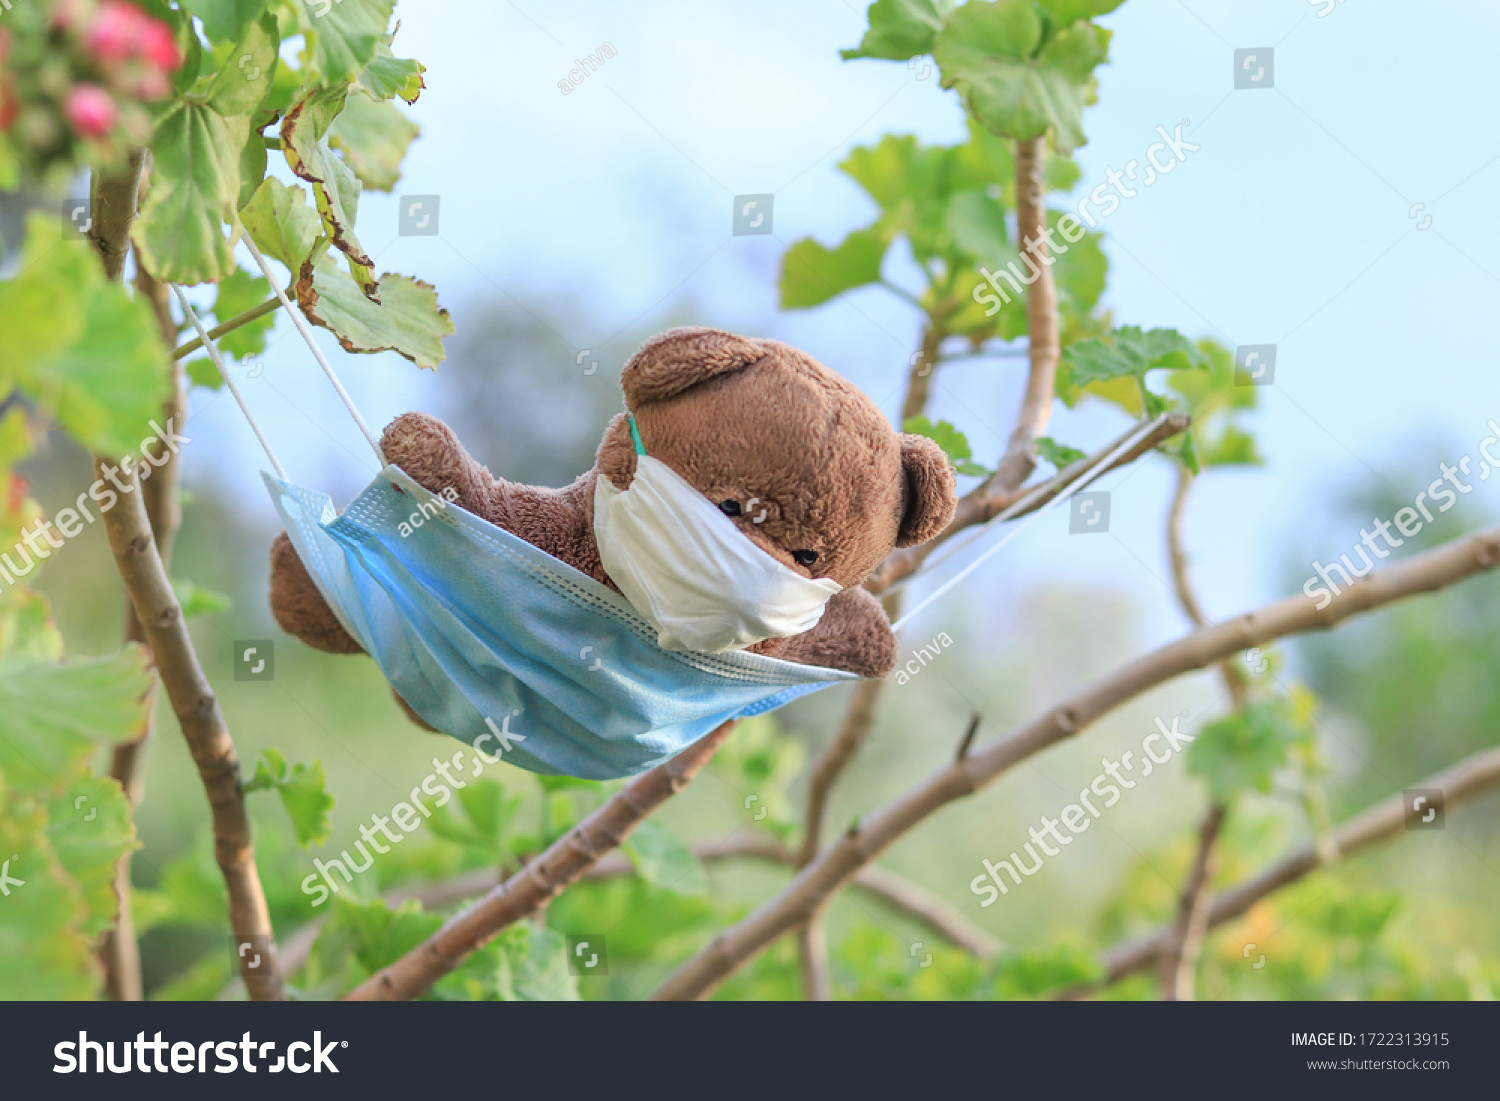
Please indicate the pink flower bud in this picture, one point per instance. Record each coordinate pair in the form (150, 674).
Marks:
(116, 31)
(157, 45)
(90, 111)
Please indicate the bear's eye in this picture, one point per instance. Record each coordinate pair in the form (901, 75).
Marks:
(729, 508)
(804, 557)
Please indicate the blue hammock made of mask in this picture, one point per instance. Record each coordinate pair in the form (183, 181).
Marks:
(498, 644)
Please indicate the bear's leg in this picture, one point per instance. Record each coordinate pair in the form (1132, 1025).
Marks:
(853, 635)
(299, 607)
(412, 715)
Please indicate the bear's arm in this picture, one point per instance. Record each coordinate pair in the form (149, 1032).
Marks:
(854, 635)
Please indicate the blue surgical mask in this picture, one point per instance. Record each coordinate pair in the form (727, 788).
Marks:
(480, 632)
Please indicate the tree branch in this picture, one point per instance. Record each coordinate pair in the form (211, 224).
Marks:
(834, 867)
(564, 862)
(238, 322)
(155, 604)
(1179, 961)
(118, 951)
(1019, 459)
(1472, 776)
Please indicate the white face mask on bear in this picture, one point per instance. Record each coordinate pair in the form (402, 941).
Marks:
(690, 571)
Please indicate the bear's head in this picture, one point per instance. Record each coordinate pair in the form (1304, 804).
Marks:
(805, 464)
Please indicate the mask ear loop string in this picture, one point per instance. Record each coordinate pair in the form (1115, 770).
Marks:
(213, 352)
(302, 327)
(1088, 479)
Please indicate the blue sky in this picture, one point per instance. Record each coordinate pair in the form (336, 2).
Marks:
(1295, 223)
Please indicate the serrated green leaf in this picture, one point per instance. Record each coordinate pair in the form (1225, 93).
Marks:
(304, 793)
(812, 274)
(1242, 751)
(388, 76)
(950, 439)
(44, 953)
(27, 630)
(343, 36)
(408, 320)
(91, 827)
(1233, 446)
(252, 167)
(987, 51)
(1131, 351)
(248, 70)
(899, 29)
(202, 372)
(107, 387)
(195, 186)
(373, 138)
(976, 223)
(663, 860)
(1059, 455)
(56, 714)
(304, 143)
(42, 308)
(281, 223)
(359, 938)
(225, 20)
(238, 294)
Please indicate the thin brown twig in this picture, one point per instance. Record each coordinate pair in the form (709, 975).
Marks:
(255, 313)
(1472, 776)
(836, 865)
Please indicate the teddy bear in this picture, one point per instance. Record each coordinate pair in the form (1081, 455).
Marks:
(804, 464)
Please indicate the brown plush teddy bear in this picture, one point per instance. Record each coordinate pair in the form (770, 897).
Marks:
(806, 465)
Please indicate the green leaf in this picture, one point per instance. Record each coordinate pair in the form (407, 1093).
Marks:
(42, 308)
(1130, 351)
(195, 186)
(534, 966)
(342, 37)
(303, 791)
(304, 143)
(281, 223)
(56, 714)
(359, 938)
(899, 29)
(373, 138)
(1038, 971)
(1187, 453)
(1066, 12)
(977, 225)
(249, 68)
(1058, 454)
(238, 294)
(252, 167)
(44, 953)
(663, 860)
(408, 320)
(108, 386)
(950, 439)
(1242, 751)
(196, 600)
(987, 51)
(26, 626)
(388, 76)
(202, 372)
(91, 827)
(225, 20)
(1233, 446)
(812, 274)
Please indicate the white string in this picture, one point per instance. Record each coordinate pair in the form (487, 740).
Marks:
(1086, 480)
(302, 327)
(213, 354)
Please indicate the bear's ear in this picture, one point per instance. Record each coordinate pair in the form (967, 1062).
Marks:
(673, 361)
(931, 490)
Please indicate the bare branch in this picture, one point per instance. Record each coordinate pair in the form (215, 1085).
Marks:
(1472, 776)
(564, 862)
(812, 961)
(1179, 961)
(837, 865)
(255, 313)
(857, 722)
(1019, 459)
(987, 502)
